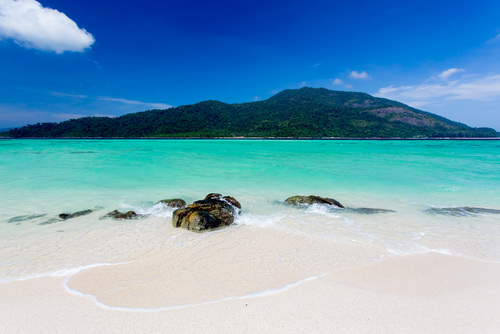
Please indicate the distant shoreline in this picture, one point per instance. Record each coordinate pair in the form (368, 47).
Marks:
(252, 138)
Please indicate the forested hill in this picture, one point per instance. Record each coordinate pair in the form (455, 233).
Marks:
(305, 112)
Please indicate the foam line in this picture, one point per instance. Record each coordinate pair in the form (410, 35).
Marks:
(258, 294)
(60, 273)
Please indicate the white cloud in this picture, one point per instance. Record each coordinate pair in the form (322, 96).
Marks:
(134, 102)
(359, 75)
(33, 26)
(337, 82)
(115, 100)
(75, 96)
(477, 88)
(445, 75)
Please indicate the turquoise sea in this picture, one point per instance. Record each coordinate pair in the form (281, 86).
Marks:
(425, 183)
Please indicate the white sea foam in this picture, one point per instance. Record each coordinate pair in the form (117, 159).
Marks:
(324, 210)
(69, 272)
(260, 220)
(159, 210)
(411, 248)
(72, 271)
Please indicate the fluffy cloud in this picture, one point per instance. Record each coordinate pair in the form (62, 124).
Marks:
(337, 82)
(476, 88)
(359, 75)
(31, 25)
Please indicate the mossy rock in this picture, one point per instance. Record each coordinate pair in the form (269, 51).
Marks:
(213, 212)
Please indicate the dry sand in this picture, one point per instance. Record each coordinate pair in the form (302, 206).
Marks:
(429, 293)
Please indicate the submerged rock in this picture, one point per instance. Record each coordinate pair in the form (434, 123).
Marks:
(462, 211)
(312, 199)
(174, 202)
(122, 215)
(369, 211)
(65, 216)
(25, 218)
(215, 211)
(50, 221)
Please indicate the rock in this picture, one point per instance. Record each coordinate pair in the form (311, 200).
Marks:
(215, 211)
(369, 211)
(25, 217)
(174, 202)
(195, 220)
(65, 216)
(309, 200)
(462, 211)
(213, 196)
(122, 215)
(232, 201)
(229, 199)
(50, 221)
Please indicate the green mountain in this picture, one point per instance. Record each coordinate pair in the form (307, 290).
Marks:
(305, 112)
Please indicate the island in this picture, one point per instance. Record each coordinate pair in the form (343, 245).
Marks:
(292, 113)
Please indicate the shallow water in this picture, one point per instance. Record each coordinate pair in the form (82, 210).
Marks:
(40, 179)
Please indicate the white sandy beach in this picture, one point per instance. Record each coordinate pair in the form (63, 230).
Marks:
(428, 293)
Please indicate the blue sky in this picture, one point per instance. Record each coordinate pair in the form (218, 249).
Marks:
(66, 59)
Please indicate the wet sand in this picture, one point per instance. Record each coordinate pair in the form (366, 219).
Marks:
(407, 294)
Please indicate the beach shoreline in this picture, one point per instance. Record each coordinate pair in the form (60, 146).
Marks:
(429, 292)
(415, 250)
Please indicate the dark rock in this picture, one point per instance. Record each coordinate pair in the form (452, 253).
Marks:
(232, 201)
(369, 211)
(309, 200)
(213, 196)
(65, 216)
(174, 202)
(195, 220)
(462, 211)
(215, 211)
(122, 215)
(229, 199)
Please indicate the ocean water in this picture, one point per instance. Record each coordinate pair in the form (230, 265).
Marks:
(437, 190)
